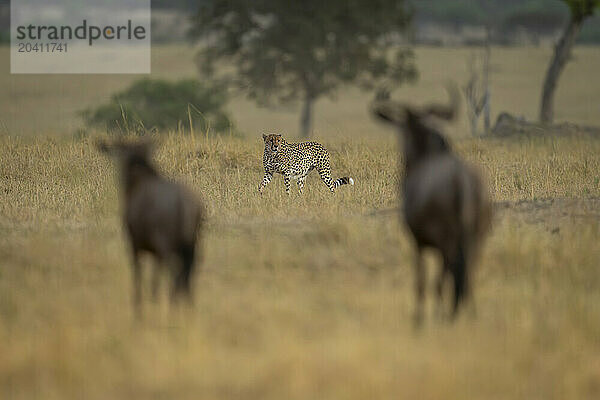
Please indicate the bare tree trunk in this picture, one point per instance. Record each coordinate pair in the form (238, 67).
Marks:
(473, 117)
(306, 116)
(486, 80)
(562, 53)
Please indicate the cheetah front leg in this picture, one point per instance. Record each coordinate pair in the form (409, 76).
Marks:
(266, 179)
(286, 181)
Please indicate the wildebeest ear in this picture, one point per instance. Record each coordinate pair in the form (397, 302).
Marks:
(387, 112)
(382, 115)
(102, 146)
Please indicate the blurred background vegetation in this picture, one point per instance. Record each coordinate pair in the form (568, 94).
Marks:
(271, 64)
(150, 104)
(442, 21)
(516, 20)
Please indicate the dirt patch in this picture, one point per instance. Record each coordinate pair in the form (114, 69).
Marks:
(551, 213)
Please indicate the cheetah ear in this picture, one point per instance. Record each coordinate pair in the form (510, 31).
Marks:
(264, 137)
(278, 135)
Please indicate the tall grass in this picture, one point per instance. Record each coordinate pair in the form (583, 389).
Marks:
(300, 297)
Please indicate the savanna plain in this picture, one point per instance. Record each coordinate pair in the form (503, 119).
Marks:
(299, 297)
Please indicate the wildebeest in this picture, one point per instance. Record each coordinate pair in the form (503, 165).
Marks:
(161, 217)
(446, 204)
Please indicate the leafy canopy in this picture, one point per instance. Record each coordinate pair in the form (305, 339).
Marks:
(149, 104)
(290, 49)
(581, 9)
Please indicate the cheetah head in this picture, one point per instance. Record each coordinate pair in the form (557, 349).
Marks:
(272, 142)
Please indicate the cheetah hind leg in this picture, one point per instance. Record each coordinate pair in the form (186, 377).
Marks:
(300, 183)
(325, 174)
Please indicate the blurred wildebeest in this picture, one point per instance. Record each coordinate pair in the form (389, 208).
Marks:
(446, 204)
(161, 218)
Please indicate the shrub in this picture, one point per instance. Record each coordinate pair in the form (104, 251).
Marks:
(158, 104)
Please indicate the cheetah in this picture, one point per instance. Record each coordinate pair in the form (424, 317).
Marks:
(295, 161)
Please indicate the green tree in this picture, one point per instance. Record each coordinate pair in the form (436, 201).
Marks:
(580, 11)
(282, 51)
(154, 103)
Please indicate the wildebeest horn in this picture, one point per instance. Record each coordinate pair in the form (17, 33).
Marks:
(447, 112)
(389, 111)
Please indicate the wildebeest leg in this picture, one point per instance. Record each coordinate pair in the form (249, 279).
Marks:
(182, 283)
(459, 272)
(439, 287)
(469, 295)
(419, 288)
(156, 275)
(137, 283)
(165, 258)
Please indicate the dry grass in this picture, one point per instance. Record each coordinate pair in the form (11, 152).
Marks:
(300, 297)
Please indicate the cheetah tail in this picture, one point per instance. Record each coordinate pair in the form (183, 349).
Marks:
(343, 181)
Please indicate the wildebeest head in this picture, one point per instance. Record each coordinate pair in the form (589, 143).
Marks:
(126, 150)
(272, 142)
(421, 138)
(134, 158)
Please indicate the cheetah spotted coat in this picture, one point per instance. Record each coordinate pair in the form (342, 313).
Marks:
(295, 161)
